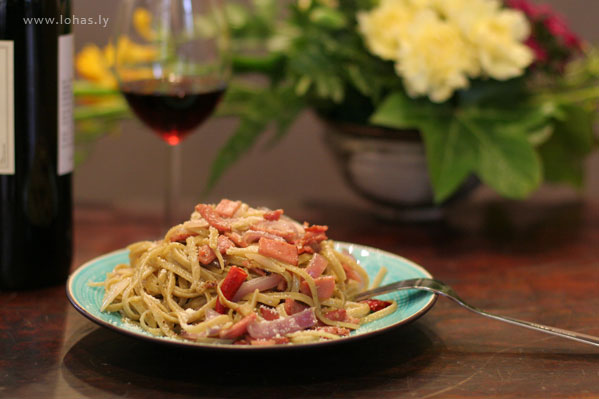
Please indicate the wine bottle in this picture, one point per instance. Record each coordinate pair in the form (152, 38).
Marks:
(36, 143)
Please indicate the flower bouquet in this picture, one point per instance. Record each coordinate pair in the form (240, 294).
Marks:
(502, 91)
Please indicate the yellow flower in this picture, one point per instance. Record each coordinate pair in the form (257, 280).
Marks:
(142, 21)
(434, 59)
(384, 26)
(95, 64)
(498, 42)
(92, 64)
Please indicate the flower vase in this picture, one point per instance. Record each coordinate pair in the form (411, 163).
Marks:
(388, 168)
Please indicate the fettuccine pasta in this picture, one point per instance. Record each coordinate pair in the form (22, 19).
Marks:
(237, 274)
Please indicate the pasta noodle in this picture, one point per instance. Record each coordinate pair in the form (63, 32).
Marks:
(242, 275)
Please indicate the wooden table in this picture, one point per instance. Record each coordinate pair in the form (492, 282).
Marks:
(540, 261)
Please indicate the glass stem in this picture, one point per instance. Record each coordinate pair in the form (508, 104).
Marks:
(173, 186)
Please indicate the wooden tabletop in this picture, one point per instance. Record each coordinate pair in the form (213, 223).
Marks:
(534, 261)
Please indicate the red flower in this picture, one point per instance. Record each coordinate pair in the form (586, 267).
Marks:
(551, 39)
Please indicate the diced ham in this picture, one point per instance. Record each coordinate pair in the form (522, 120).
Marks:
(223, 243)
(283, 326)
(205, 254)
(227, 208)
(237, 329)
(317, 265)
(313, 236)
(268, 313)
(278, 250)
(352, 274)
(273, 215)
(236, 238)
(336, 314)
(325, 286)
(292, 306)
(283, 228)
(213, 218)
(251, 236)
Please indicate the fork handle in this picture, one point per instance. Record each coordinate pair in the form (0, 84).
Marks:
(560, 332)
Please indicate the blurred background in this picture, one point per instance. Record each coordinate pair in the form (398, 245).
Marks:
(126, 167)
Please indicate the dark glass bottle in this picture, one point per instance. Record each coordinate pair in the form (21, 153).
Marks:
(36, 143)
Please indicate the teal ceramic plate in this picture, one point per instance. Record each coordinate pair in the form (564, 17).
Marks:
(411, 303)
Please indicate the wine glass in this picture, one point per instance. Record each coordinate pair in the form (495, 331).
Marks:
(171, 61)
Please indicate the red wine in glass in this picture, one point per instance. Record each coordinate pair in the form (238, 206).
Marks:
(173, 109)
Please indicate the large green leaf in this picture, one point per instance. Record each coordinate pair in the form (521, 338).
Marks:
(507, 162)
(564, 153)
(257, 109)
(451, 155)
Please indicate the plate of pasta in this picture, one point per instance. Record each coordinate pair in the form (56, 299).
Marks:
(238, 277)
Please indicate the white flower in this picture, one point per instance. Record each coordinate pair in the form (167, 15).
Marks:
(434, 59)
(384, 26)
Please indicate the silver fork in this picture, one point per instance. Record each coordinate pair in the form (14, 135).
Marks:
(441, 288)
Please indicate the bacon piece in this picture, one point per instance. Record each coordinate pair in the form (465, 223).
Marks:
(376, 304)
(336, 314)
(273, 215)
(292, 306)
(227, 208)
(325, 286)
(278, 250)
(213, 218)
(282, 228)
(236, 238)
(268, 313)
(313, 236)
(223, 243)
(231, 283)
(205, 254)
(239, 328)
(251, 236)
(317, 265)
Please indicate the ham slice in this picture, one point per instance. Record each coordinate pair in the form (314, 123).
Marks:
(239, 328)
(325, 286)
(292, 306)
(283, 228)
(278, 250)
(268, 313)
(283, 326)
(205, 254)
(310, 241)
(213, 218)
(317, 265)
(227, 208)
(251, 236)
(273, 215)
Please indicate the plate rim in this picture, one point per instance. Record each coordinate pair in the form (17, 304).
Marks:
(236, 348)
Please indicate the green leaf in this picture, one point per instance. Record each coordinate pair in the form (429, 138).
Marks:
(256, 110)
(451, 155)
(400, 112)
(507, 162)
(564, 153)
